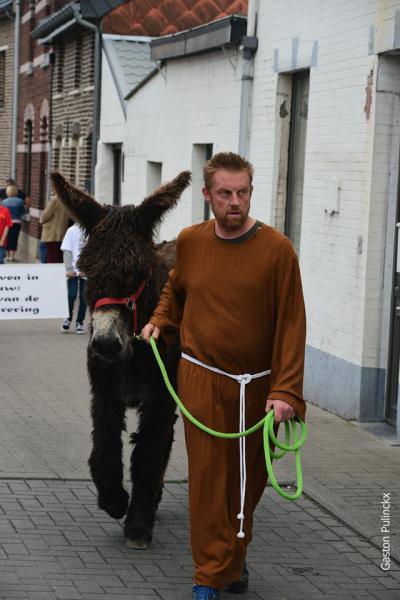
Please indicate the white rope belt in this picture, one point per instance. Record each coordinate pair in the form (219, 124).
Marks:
(243, 380)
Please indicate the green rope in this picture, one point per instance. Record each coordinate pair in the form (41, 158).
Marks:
(268, 433)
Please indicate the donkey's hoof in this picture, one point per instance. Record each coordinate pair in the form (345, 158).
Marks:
(115, 506)
(137, 544)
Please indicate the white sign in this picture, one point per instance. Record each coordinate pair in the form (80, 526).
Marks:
(37, 291)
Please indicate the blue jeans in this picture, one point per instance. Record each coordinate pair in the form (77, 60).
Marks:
(2, 254)
(42, 252)
(73, 284)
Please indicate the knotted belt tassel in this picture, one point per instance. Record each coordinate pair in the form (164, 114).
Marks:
(243, 380)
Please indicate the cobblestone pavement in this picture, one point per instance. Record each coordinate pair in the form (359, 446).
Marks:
(56, 544)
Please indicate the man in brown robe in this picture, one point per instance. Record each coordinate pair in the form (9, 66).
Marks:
(235, 296)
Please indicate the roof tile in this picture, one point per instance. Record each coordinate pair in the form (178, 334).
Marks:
(162, 17)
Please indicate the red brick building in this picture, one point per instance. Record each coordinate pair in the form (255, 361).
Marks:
(6, 86)
(33, 137)
(57, 85)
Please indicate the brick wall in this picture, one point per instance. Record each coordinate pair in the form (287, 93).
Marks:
(72, 106)
(34, 105)
(7, 50)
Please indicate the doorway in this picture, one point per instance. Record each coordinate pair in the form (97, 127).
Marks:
(117, 174)
(296, 157)
(201, 153)
(393, 374)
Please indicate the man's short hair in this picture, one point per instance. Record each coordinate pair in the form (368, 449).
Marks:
(228, 161)
(11, 191)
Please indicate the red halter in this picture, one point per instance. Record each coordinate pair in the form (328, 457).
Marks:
(129, 302)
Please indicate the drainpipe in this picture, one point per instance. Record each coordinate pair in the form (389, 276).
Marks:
(97, 91)
(14, 121)
(249, 48)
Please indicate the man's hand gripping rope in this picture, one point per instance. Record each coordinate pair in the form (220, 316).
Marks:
(150, 333)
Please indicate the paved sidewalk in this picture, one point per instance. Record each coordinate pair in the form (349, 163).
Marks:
(55, 543)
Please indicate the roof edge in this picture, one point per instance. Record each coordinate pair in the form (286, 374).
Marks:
(56, 20)
(143, 82)
(127, 38)
(7, 9)
(226, 32)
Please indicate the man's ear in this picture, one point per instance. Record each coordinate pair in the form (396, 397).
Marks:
(206, 194)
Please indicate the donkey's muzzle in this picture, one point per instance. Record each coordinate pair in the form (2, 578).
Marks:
(108, 347)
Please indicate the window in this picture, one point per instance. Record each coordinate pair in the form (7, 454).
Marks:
(28, 139)
(78, 62)
(59, 75)
(200, 208)
(154, 175)
(117, 173)
(44, 127)
(2, 77)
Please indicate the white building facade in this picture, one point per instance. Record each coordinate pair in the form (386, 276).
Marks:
(316, 109)
(186, 112)
(325, 146)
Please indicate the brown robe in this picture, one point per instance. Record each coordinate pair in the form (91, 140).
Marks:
(239, 307)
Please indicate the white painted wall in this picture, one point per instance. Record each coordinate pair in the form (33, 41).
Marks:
(194, 100)
(342, 256)
(112, 131)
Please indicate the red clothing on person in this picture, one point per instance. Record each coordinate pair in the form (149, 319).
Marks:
(5, 220)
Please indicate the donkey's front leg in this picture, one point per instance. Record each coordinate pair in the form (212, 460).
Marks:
(148, 463)
(105, 462)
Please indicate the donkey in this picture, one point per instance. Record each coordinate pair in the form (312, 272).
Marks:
(125, 274)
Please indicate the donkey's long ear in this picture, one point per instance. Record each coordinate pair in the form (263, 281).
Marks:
(82, 207)
(162, 199)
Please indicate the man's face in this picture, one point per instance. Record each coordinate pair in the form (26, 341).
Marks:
(229, 197)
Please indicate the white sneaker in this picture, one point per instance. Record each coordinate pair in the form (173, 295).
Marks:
(79, 328)
(65, 326)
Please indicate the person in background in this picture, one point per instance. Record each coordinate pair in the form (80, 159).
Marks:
(20, 193)
(54, 220)
(16, 206)
(5, 226)
(71, 246)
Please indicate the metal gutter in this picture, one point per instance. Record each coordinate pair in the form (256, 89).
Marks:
(127, 38)
(54, 21)
(249, 48)
(14, 121)
(54, 34)
(226, 33)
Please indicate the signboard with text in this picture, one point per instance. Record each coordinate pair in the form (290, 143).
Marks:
(33, 291)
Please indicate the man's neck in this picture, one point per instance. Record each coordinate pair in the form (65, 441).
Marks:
(228, 234)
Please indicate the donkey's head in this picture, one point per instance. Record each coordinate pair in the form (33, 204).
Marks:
(118, 258)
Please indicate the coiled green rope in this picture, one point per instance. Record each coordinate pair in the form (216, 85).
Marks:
(268, 433)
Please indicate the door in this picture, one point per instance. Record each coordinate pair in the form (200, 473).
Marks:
(117, 174)
(392, 390)
(296, 159)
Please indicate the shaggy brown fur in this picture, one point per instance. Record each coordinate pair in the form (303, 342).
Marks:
(118, 255)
